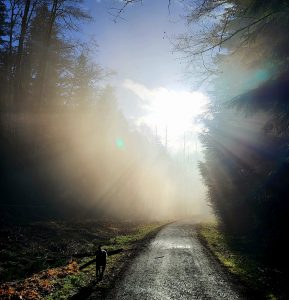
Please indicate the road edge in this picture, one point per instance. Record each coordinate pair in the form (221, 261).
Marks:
(125, 262)
(245, 291)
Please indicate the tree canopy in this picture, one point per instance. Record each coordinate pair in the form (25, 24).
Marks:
(245, 169)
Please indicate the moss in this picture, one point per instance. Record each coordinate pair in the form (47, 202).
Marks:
(127, 240)
(235, 254)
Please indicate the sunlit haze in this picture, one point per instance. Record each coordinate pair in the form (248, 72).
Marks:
(129, 121)
(169, 112)
(132, 129)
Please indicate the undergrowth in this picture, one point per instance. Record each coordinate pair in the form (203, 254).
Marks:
(239, 256)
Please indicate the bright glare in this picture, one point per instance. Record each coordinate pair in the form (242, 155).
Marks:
(169, 112)
(175, 110)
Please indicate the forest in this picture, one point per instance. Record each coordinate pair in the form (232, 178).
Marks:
(64, 142)
(246, 137)
(67, 152)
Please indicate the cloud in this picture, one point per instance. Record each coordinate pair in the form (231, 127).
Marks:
(145, 94)
(167, 108)
(173, 103)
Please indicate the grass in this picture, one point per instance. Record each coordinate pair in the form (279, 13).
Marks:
(242, 260)
(56, 278)
(127, 240)
(83, 282)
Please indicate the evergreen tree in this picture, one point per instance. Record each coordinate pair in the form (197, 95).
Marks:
(84, 75)
(58, 55)
(246, 140)
(3, 56)
(3, 23)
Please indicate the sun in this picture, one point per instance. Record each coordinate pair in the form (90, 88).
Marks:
(170, 113)
(175, 110)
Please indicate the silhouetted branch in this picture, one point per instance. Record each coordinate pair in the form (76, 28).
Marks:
(119, 11)
(222, 41)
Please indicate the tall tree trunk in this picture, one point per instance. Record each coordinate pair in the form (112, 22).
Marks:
(44, 59)
(18, 64)
(9, 62)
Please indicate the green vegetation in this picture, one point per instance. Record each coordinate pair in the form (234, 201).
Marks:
(69, 286)
(62, 278)
(242, 259)
(126, 241)
(73, 284)
(245, 168)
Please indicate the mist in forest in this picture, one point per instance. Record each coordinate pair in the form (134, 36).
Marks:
(151, 111)
(68, 145)
(94, 163)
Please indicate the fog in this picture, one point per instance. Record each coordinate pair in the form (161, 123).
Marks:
(119, 171)
(92, 162)
(66, 148)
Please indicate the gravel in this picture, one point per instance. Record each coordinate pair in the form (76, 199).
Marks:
(175, 265)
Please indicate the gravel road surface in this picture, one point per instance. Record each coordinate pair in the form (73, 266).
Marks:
(175, 265)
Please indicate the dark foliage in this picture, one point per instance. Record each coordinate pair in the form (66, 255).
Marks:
(246, 141)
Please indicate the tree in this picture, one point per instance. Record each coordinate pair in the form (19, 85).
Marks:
(59, 57)
(19, 56)
(84, 76)
(11, 13)
(69, 13)
(246, 138)
(3, 22)
(35, 34)
(243, 29)
(3, 33)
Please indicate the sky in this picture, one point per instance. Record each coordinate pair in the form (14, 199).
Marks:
(149, 74)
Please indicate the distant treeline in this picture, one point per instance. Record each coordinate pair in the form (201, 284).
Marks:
(81, 165)
(245, 55)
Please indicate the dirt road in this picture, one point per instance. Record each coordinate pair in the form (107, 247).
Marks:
(174, 266)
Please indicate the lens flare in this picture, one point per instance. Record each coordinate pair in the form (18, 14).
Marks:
(119, 142)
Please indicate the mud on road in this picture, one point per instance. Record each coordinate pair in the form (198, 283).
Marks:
(175, 265)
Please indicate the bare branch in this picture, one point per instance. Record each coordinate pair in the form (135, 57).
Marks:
(236, 32)
(119, 11)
